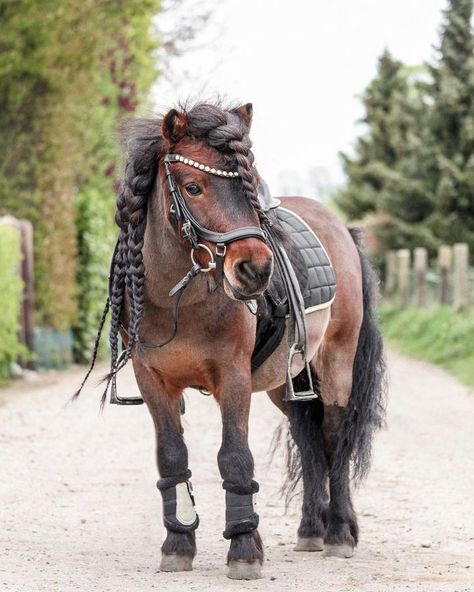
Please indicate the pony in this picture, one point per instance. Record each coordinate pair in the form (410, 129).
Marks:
(196, 164)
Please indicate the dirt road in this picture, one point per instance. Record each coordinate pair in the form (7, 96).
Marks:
(79, 509)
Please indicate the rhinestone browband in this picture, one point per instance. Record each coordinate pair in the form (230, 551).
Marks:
(205, 168)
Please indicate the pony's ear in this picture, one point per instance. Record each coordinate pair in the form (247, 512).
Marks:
(174, 126)
(245, 113)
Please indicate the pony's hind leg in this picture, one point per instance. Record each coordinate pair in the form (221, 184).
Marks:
(306, 462)
(179, 517)
(336, 384)
(305, 424)
(342, 532)
(351, 368)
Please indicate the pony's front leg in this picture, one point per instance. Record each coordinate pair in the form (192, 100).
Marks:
(179, 515)
(236, 466)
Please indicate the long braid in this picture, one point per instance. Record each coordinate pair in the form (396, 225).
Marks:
(129, 271)
(115, 298)
(95, 350)
(232, 135)
(248, 174)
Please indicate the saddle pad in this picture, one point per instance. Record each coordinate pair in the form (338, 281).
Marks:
(315, 276)
(320, 287)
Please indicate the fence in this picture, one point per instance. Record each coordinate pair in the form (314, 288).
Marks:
(412, 281)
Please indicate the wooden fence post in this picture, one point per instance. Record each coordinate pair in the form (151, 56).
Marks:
(445, 257)
(390, 272)
(461, 276)
(25, 271)
(420, 264)
(403, 258)
(26, 230)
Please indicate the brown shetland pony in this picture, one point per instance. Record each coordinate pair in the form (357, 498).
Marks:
(215, 336)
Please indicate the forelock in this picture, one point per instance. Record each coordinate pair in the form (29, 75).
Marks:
(215, 125)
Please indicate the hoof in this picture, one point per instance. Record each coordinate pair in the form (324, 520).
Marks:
(309, 544)
(345, 551)
(242, 570)
(176, 562)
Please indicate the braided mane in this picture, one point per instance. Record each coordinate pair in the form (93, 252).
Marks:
(144, 144)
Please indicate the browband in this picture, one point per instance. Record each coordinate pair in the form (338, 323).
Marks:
(192, 230)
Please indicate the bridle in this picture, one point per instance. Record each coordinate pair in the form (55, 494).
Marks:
(191, 229)
(194, 232)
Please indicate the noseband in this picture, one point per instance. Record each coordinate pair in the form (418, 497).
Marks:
(192, 231)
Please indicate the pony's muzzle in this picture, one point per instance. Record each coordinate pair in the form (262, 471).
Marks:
(248, 269)
(253, 276)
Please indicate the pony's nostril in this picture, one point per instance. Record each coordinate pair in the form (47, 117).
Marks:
(252, 275)
(246, 270)
(267, 268)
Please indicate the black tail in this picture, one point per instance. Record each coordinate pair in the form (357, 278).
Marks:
(366, 411)
(302, 436)
(366, 408)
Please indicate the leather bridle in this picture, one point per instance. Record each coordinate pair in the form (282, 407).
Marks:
(193, 231)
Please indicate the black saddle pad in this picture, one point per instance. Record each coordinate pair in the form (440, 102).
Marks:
(315, 276)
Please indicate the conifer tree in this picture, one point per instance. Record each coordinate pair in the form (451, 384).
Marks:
(362, 192)
(386, 177)
(452, 128)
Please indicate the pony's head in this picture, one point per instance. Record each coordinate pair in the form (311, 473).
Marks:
(218, 182)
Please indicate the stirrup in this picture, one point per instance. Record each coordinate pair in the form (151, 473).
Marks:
(304, 395)
(116, 400)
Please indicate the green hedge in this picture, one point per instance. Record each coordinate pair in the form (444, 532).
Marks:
(96, 240)
(439, 335)
(10, 299)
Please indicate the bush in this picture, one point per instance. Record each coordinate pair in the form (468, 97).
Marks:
(10, 299)
(96, 239)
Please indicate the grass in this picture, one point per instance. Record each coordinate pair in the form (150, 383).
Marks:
(439, 335)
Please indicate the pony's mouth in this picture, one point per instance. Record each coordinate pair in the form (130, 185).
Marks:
(237, 294)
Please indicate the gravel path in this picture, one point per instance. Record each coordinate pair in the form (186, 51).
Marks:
(79, 509)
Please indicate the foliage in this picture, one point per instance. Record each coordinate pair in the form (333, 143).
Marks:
(439, 335)
(414, 166)
(452, 127)
(384, 175)
(95, 245)
(10, 299)
(68, 71)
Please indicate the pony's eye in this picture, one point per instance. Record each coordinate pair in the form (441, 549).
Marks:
(193, 189)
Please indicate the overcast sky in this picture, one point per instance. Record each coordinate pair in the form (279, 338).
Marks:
(303, 64)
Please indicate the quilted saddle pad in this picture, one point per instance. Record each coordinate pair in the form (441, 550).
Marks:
(315, 275)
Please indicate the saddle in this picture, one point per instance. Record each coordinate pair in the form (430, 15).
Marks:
(314, 289)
